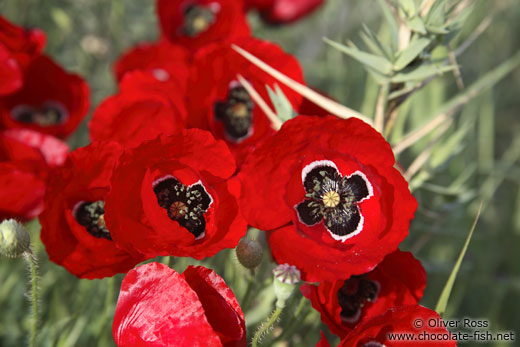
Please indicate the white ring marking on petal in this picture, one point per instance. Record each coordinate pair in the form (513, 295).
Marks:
(309, 167)
(367, 182)
(352, 234)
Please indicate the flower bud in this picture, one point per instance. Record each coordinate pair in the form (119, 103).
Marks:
(285, 279)
(14, 239)
(249, 253)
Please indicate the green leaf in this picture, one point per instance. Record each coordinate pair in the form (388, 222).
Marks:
(378, 63)
(420, 73)
(405, 57)
(282, 105)
(441, 30)
(442, 303)
(374, 44)
(461, 18)
(437, 14)
(390, 19)
(417, 25)
(408, 7)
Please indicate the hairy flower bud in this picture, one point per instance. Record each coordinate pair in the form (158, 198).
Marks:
(249, 253)
(286, 277)
(14, 239)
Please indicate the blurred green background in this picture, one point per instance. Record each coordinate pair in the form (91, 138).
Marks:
(476, 159)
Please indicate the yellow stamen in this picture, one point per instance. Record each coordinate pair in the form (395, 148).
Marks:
(331, 199)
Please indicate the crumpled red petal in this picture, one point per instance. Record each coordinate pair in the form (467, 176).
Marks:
(157, 307)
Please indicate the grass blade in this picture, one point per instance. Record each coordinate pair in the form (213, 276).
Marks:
(378, 63)
(330, 105)
(442, 303)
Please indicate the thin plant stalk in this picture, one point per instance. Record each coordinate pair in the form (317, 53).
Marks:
(265, 327)
(33, 268)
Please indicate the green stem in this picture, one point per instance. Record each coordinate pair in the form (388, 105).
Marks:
(266, 326)
(31, 259)
(249, 291)
(294, 318)
(166, 260)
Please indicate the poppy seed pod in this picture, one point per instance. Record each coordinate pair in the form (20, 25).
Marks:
(14, 239)
(249, 253)
(286, 277)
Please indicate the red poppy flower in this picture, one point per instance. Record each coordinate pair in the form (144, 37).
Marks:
(329, 188)
(143, 109)
(173, 196)
(344, 303)
(283, 11)
(73, 221)
(159, 307)
(25, 157)
(196, 23)
(21, 40)
(165, 61)
(218, 102)
(401, 320)
(18, 46)
(11, 74)
(51, 100)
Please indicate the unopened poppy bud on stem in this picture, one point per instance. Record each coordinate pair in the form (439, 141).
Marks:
(286, 278)
(14, 239)
(249, 253)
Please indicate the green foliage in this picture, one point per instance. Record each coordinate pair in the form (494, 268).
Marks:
(282, 105)
(445, 295)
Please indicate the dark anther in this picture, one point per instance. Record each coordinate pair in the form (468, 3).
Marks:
(236, 112)
(197, 19)
(91, 215)
(354, 294)
(183, 204)
(48, 115)
(333, 199)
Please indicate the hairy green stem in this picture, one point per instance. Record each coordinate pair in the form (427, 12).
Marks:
(294, 318)
(33, 266)
(266, 326)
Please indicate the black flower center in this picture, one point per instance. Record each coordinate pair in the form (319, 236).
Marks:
(91, 215)
(355, 293)
(184, 204)
(197, 19)
(47, 115)
(236, 112)
(333, 199)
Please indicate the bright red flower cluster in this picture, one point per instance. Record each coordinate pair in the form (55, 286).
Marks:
(184, 200)
(38, 100)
